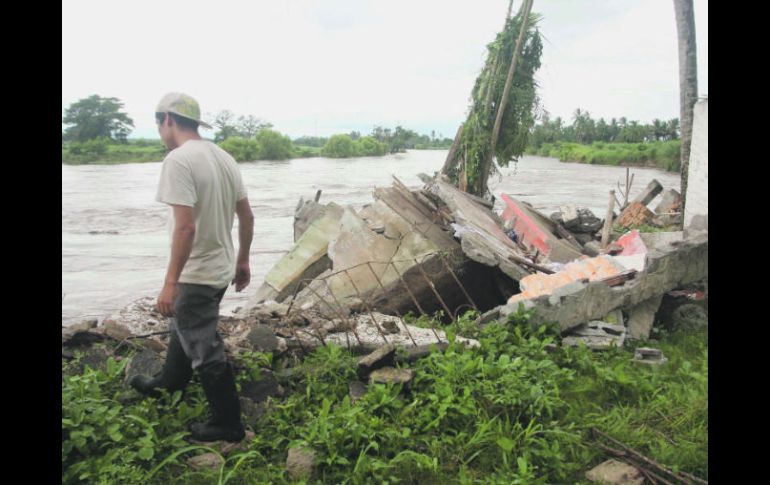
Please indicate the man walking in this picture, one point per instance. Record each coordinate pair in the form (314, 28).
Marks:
(203, 186)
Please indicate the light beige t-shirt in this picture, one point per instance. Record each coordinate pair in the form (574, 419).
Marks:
(201, 175)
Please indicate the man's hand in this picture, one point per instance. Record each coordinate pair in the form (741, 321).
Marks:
(167, 299)
(242, 276)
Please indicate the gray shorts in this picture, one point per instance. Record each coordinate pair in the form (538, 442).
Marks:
(195, 323)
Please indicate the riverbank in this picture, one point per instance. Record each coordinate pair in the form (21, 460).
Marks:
(143, 151)
(110, 210)
(515, 409)
(660, 154)
(100, 153)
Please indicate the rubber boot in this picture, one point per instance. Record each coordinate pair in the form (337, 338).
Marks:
(177, 372)
(225, 423)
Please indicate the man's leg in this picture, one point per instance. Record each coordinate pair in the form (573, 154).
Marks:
(177, 369)
(176, 374)
(197, 312)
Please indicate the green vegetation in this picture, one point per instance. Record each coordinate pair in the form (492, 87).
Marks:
(103, 151)
(660, 154)
(618, 142)
(472, 162)
(511, 411)
(267, 144)
(343, 146)
(586, 130)
(96, 117)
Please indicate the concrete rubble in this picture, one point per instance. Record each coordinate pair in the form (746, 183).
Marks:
(614, 472)
(596, 335)
(300, 463)
(646, 355)
(353, 275)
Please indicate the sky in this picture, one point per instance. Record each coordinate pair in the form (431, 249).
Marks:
(319, 67)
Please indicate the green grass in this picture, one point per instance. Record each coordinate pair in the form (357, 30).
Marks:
(304, 151)
(134, 151)
(508, 412)
(660, 154)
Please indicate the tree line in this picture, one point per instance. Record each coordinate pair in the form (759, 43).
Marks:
(586, 130)
(97, 123)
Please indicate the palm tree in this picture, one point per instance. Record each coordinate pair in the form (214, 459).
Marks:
(688, 81)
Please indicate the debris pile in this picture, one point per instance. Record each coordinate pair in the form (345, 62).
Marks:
(362, 278)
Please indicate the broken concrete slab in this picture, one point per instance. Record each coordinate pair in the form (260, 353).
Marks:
(596, 335)
(670, 201)
(641, 317)
(480, 224)
(615, 317)
(647, 355)
(139, 317)
(306, 213)
(384, 356)
(398, 251)
(392, 375)
(262, 339)
(421, 351)
(614, 472)
(648, 194)
(146, 363)
(306, 259)
(390, 327)
(115, 330)
(666, 269)
(300, 463)
(567, 215)
(368, 337)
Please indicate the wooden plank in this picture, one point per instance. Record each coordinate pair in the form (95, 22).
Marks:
(608, 220)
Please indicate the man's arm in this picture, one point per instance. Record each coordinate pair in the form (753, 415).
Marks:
(245, 233)
(181, 246)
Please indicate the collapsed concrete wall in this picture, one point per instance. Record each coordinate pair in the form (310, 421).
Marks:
(667, 267)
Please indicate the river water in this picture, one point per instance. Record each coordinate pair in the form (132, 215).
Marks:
(115, 242)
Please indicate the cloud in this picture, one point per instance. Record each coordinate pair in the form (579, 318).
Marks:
(305, 64)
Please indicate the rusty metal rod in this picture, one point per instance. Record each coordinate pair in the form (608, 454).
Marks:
(368, 308)
(350, 324)
(408, 290)
(406, 286)
(520, 260)
(446, 265)
(433, 288)
(392, 309)
(287, 317)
